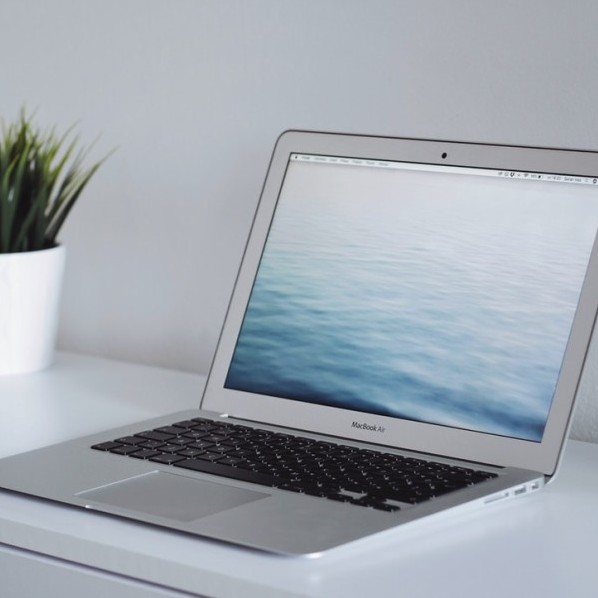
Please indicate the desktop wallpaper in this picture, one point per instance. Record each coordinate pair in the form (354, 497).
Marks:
(427, 296)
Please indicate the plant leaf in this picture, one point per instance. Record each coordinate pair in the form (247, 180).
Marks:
(41, 179)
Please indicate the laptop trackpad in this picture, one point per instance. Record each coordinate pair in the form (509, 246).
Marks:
(170, 495)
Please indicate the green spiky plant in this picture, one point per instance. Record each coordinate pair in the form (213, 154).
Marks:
(41, 178)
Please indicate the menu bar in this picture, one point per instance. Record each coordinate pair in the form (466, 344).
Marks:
(512, 174)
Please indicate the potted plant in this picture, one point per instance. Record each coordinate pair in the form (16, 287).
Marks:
(41, 178)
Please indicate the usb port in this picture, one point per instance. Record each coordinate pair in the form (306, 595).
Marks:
(519, 491)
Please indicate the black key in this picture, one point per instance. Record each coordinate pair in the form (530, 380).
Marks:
(150, 444)
(106, 446)
(144, 454)
(339, 498)
(190, 453)
(291, 485)
(229, 460)
(200, 444)
(130, 440)
(180, 440)
(195, 434)
(208, 457)
(170, 448)
(381, 506)
(244, 475)
(124, 449)
(221, 449)
(480, 476)
(204, 424)
(187, 424)
(234, 442)
(170, 430)
(409, 496)
(215, 438)
(166, 459)
(250, 465)
(152, 435)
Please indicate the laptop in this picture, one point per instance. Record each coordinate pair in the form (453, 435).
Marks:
(405, 339)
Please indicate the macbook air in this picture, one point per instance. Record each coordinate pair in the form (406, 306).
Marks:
(405, 338)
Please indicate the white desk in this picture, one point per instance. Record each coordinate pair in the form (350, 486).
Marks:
(542, 545)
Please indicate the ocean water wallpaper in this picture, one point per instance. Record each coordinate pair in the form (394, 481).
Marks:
(426, 296)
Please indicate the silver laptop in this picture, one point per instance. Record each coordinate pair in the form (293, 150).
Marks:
(406, 337)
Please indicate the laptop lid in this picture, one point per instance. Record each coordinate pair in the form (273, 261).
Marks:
(425, 295)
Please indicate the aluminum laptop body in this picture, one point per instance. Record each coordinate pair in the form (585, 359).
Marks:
(426, 299)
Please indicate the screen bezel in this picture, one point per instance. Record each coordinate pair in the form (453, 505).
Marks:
(405, 434)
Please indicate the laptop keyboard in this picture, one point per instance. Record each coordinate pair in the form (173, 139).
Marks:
(337, 472)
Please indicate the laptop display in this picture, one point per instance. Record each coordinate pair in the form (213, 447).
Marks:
(431, 293)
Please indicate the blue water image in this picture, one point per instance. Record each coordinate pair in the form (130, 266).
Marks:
(445, 304)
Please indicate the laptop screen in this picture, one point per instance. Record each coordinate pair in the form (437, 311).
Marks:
(435, 294)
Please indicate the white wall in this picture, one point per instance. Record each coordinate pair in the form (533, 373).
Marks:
(194, 93)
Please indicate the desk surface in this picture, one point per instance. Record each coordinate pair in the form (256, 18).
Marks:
(543, 544)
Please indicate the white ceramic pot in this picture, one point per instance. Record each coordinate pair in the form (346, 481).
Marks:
(30, 286)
